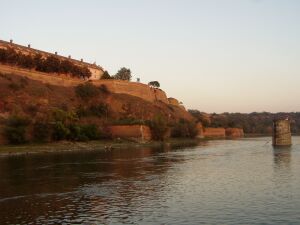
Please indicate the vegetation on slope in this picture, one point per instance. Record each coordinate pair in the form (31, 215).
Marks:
(33, 111)
(50, 64)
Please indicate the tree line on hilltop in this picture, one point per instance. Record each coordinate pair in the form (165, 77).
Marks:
(50, 64)
(252, 123)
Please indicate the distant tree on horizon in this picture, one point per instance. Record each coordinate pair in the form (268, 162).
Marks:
(155, 84)
(106, 75)
(123, 74)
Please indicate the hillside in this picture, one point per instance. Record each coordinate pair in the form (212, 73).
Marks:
(32, 103)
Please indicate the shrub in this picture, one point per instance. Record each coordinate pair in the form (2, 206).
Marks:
(77, 132)
(158, 127)
(81, 111)
(91, 132)
(64, 117)
(154, 84)
(106, 76)
(41, 131)
(86, 90)
(104, 89)
(15, 129)
(60, 132)
(129, 121)
(99, 110)
(184, 129)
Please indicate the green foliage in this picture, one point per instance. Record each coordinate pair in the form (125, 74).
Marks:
(184, 129)
(50, 64)
(155, 84)
(106, 76)
(15, 129)
(99, 110)
(86, 90)
(41, 131)
(60, 131)
(129, 121)
(200, 117)
(158, 127)
(91, 132)
(64, 117)
(123, 74)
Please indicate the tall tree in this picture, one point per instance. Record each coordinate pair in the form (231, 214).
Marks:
(123, 74)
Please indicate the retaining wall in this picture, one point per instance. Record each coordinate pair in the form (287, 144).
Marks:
(212, 132)
(234, 132)
(139, 132)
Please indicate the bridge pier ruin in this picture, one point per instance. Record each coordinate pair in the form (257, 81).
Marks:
(282, 133)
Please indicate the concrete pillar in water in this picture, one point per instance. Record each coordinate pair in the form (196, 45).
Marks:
(282, 133)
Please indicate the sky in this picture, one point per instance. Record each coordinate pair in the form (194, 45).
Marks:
(213, 55)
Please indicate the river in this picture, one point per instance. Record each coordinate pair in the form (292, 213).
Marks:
(242, 181)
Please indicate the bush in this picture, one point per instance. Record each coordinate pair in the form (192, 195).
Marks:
(60, 132)
(104, 89)
(86, 90)
(50, 64)
(15, 130)
(91, 132)
(158, 127)
(154, 84)
(41, 131)
(106, 76)
(129, 121)
(184, 129)
(99, 110)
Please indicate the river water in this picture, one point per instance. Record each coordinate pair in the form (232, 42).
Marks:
(242, 181)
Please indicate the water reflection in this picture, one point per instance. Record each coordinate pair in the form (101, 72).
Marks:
(215, 182)
(97, 179)
(282, 156)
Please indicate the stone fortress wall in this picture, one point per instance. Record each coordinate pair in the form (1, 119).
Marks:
(115, 86)
(96, 71)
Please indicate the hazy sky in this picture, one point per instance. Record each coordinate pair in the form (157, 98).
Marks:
(213, 55)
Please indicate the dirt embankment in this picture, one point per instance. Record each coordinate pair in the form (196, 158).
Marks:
(36, 99)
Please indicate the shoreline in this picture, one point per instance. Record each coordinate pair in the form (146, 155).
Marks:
(103, 145)
(66, 146)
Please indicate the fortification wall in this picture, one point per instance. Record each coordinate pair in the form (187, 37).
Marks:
(211, 132)
(139, 132)
(96, 71)
(234, 132)
(135, 89)
(115, 86)
(53, 79)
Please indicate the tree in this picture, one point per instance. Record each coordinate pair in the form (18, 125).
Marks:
(154, 84)
(123, 74)
(159, 127)
(106, 76)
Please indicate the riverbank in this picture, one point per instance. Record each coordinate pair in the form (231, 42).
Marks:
(65, 146)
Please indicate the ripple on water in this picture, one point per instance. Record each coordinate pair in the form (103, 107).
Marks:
(220, 182)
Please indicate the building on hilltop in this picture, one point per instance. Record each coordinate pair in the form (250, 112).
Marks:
(96, 71)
